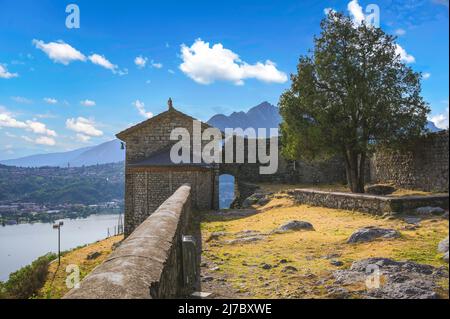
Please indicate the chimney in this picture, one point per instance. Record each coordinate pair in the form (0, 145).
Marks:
(170, 104)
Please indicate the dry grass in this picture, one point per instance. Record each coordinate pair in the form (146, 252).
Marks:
(306, 250)
(55, 286)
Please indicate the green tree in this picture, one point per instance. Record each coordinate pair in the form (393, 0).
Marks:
(350, 94)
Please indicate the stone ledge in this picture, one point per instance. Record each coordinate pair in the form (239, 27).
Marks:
(373, 204)
(148, 263)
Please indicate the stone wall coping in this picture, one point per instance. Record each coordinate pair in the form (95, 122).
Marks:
(136, 267)
(369, 196)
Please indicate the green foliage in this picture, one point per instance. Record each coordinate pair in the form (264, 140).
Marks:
(352, 93)
(53, 185)
(25, 283)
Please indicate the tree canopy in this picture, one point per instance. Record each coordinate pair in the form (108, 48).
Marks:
(350, 93)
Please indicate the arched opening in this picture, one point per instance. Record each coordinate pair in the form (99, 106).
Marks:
(226, 190)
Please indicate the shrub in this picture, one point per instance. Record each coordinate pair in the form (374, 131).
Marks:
(26, 282)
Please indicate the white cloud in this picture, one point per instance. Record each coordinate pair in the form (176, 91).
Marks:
(103, 62)
(156, 65)
(60, 52)
(327, 11)
(171, 71)
(7, 120)
(140, 106)
(440, 120)
(404, 56)
(140, 61)
(426, 75)
(205, 65)
(50, 100)
(84, 126)
(21, 99)
(358, 16)
(5, 74)
(400, 32)
(356, 11)
(88, 103)
(44, 140)
(39, 128)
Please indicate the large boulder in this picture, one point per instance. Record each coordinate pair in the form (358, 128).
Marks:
(380, 189)
(295, 225)
(391, 279)
(371, 233)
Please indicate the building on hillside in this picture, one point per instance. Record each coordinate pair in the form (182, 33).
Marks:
(150, 175)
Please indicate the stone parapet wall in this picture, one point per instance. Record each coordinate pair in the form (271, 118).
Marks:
(377, 205)
(422, 166)
(148, 264)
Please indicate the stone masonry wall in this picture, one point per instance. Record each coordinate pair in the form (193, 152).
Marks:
(424, 166)
(371, 204)
(148, 264)
(148, 188)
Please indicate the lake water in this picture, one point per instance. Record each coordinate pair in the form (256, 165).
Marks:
(21, 244)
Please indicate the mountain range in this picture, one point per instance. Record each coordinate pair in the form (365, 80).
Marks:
(264, 115)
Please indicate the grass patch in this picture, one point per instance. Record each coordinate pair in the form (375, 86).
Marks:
(55, 286)
(307, 250)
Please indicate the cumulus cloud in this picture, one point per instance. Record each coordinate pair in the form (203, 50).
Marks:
(205, 65)
(8, 120)
(140, 61)
(5, 74)
(426, 75)
(59, 52)
(358, 17)
(140, 106)
(88, 103)
(103, 62)
(39, 128)
(83, 126)
(356, 12)
(441, 120)
(404, 56)
(50, 100)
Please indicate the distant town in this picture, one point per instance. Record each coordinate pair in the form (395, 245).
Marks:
(21, 212)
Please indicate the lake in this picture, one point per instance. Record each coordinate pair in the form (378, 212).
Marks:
(21, 244)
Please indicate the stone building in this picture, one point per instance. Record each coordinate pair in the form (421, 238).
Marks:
(150, 175)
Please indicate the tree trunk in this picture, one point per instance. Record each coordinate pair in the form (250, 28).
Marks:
(355, 170)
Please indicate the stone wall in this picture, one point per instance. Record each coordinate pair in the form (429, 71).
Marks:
(147, 188)
(148, 264)
(423, 166)
(150, 138)
(298, 172)
(377, 205)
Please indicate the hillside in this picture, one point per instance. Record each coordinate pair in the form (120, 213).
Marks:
(52, 185)
(105, 153)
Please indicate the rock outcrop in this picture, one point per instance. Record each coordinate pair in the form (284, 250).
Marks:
(371, 233)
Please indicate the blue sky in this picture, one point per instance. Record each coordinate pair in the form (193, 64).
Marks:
(63, 88)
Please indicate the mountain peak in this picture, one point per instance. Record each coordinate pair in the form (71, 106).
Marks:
(264, 115)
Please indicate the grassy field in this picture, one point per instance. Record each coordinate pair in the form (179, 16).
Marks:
(240, 264)
(55, 287)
